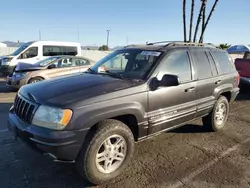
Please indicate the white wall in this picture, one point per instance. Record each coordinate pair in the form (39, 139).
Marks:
(7, 50)
(91, 54)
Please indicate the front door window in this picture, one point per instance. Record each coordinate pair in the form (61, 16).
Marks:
(30, 53)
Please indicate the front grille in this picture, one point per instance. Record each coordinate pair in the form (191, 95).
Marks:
(24, 109)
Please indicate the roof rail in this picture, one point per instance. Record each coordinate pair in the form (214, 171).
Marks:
(132, 45)
(161, 42)
(181, 43)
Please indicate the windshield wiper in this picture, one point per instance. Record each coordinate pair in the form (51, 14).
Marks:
(91, 71)
(116, 75)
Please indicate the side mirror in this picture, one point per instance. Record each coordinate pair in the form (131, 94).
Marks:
(52, 66)
(168, 80)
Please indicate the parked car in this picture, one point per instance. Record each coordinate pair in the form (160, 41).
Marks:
(34, 51)
(51, 67)
(134, 93)
(243, 67)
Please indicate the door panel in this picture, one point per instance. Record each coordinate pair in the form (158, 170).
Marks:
(171, 106)
(56, 72)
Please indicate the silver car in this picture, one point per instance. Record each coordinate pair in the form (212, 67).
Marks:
(51, 67)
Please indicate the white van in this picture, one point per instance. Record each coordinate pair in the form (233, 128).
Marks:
(34, 51)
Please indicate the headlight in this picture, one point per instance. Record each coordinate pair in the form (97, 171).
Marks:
(5, 61)
(52, 118)
(21, 74)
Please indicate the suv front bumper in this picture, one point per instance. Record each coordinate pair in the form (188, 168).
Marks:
(62, 145)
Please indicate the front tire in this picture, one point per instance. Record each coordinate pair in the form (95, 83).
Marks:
(34, 80)
(217, 118)
(106, 152)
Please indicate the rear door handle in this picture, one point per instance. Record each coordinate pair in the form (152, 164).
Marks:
(190, 89)
(218, 82)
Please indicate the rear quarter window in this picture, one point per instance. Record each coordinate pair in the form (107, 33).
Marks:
(226, 65)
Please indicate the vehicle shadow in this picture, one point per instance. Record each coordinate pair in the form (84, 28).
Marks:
(4, 88)
(190, 129)
(243, 96)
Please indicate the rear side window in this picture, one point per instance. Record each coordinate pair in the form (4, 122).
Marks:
(202, 64)
(59, 50)
(224, 61)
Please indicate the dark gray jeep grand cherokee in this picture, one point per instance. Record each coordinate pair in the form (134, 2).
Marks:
(94, 118)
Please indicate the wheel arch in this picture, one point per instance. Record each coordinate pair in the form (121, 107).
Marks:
(35, 77)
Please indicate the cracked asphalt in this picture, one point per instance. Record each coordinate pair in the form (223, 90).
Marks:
(187, 157)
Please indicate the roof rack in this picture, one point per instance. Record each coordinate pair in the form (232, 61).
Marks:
(181, 43)
(133, 45)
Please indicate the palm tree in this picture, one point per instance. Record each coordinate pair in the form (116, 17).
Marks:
(191, 21)
(208, 19)
(184, 20)
(203, 23)
(203, 4)
(224, 46)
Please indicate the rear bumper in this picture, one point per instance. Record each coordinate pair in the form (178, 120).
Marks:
(62, 145)
(234, 93)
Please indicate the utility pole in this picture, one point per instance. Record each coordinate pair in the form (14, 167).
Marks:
(108, 37)
(40, 35)
(78, 35)
(126, 40)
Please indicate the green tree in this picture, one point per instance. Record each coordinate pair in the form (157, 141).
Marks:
(104, 48)
(224, 46)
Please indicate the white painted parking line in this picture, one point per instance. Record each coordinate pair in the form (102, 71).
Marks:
(4, 130)
(194, 174)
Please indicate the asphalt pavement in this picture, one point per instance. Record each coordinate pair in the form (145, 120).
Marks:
(188, 157)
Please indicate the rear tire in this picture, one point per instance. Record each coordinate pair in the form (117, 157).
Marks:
(102, 157)
(217, 118)
(34, 80)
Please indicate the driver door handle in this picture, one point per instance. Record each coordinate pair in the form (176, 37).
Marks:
(190, 89)
(218, 82)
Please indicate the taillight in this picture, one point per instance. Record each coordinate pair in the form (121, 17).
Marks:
(238, 79)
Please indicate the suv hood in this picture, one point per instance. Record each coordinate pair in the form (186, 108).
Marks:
(76, 88)
(27, 66)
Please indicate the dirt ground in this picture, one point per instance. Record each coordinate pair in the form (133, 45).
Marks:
(188, 157)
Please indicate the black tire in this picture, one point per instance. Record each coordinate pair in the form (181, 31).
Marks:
(210, 122)
(34, 80)
(86, 160)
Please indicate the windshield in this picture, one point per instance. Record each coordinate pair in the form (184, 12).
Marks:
(45, 62)
(128, 63)
(21, 48)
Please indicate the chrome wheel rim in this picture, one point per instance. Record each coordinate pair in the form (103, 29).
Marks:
(111, 154)
(220, 114)
(34, 81)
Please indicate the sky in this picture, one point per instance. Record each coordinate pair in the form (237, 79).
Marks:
(129, 21)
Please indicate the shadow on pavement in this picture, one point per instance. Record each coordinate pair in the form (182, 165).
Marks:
(190, 128)
(6, 89)
(243, 96)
